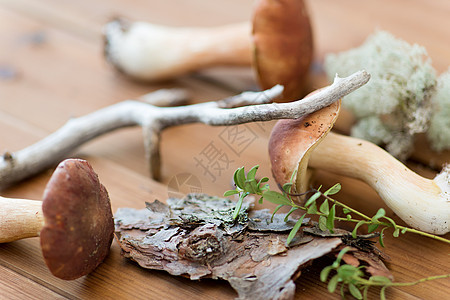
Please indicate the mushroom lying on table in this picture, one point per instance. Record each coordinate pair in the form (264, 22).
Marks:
(306, 142)
(74, 220)
(280, 47)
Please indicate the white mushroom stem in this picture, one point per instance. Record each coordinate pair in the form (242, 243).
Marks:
(422, 203)
(20, 218)
(52, 149)
(154, 52)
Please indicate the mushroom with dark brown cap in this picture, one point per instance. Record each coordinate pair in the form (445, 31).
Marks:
(74, 220)
(280, 47)
(306, 142)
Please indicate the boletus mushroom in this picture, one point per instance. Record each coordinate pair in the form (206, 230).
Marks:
(280, 47)
(74, 220)
(298, 144)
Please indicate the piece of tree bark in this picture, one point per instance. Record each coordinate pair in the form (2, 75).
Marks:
(196, 237)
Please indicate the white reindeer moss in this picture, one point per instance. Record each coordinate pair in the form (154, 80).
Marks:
(439, 131)
(396, 103)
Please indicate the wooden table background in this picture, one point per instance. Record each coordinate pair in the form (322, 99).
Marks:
(52, 69)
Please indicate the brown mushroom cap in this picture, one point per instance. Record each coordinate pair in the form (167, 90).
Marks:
(292, 141)
(79, 224)
(283, 46)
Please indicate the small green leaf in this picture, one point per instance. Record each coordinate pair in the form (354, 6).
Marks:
(372, 228)
(312, 209)
(325, 272)
(332, 284)
(264, 179)
(323, 223)
(355, 230)
(347, 271)
(346, 210)
(239, 177)
(396, 232)
(254, 186)
(294, 230)
(260, 201)
(286, 218)
(230, 192)
(266, 187)
(330, 218)
(250, 186)
(275, 211)
(324, 207)
(312, 199)
(381, 238)
(354, 291)
(380, 213)
(404, 230)
(235, 176)
(380, 279)
(333, 190)
(349, 217)
(252, 173)
(276, 198)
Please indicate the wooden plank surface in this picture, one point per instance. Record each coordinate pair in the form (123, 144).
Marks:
(54, 52)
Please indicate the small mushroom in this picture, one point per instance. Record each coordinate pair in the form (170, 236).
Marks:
(74, 220)
(280, 47)
(307, 142)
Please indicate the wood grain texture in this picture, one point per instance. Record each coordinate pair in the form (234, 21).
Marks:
(52, 51)
(15, 286)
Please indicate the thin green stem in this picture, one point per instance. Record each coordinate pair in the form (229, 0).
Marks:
(420, 280)
(412, 230)
(322, 214)
(367, 282)
(348, 207)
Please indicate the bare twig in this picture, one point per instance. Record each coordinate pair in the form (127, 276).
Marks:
(55, 147)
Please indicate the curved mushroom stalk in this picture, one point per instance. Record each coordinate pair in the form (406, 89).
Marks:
(422, 203)
(278, 42)
(294, 145)
(74, 220)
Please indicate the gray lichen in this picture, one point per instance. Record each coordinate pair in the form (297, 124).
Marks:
(197, 209)
(396, 103)
(439, 131)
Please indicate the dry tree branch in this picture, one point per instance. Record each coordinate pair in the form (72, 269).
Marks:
(153, 119)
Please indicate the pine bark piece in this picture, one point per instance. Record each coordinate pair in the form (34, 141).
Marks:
(193, 237)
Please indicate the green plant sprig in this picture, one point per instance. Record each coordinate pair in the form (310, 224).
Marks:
(353, 278)
(246, 184)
